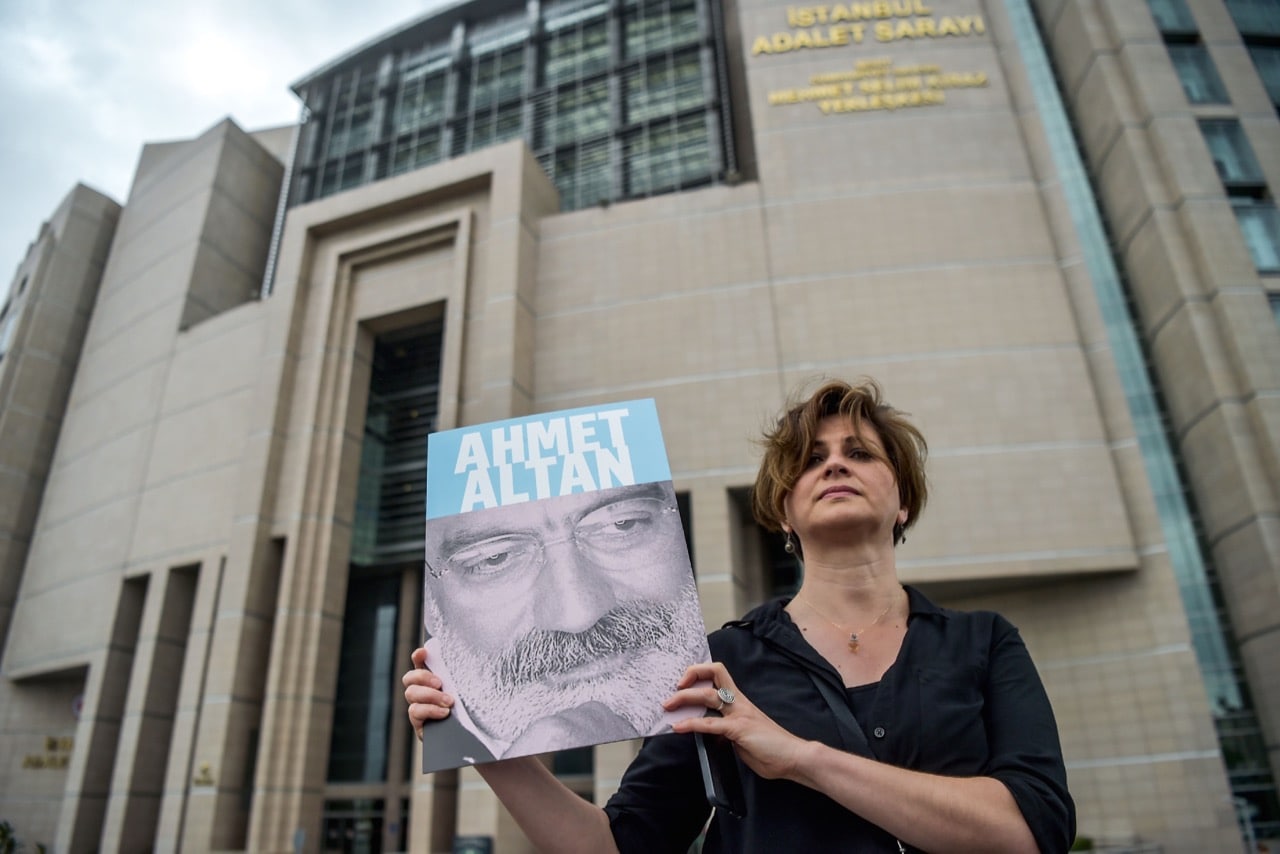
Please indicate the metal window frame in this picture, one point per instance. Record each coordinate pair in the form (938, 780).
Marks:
(520, 39)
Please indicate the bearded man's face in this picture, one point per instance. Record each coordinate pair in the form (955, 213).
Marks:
(543, 607)
(629, 662)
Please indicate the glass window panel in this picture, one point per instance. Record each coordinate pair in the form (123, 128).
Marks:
(510, 81)
(594, 57)
(1260, 224)
(669, 85)
(1267, 60)
(1242, 744)
(431, 59)
(327, 184)
(402, 406)
(493, 127)
(1256, 17)
(559, 14)
(497, 33)
(351, 119)
(1172, 16)
(1274, 299)
(568, 106)
(415, 152)
(651, 27)
(1199, 77)
(558, 56)
(575, 53)
(344, 91)
(496, 77)
(666, 156)
(366, 670)
(330, 173)
(373, 452)
(508, 124)
(573, 115)
(353, 825)
(1232, 154)
(421, 103)
(582, 175)
(543, 110)
(360, 130)
(352, 174)
(484, 82)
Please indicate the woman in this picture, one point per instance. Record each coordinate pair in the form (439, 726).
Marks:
(867, 718)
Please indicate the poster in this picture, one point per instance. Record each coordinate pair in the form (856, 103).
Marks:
(559, 603)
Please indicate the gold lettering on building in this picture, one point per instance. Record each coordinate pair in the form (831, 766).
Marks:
(834, 36)
(844, 24)
(203, 776)
(890, 101)
(57, 753)
(807, 16)
(933, 28)
(875, 84)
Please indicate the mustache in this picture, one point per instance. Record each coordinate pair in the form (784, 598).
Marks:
(627, 628)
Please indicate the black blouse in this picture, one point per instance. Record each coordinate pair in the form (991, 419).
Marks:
(962, 699)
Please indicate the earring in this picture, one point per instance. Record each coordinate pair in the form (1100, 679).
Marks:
(789, 546)
(899, 533)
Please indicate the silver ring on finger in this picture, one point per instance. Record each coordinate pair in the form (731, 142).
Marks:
(726, 698)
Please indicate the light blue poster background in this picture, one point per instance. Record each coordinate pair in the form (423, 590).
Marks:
(544, 456)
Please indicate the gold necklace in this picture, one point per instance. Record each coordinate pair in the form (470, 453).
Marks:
(853, 636)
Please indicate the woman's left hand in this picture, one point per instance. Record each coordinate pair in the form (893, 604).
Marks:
(766, 748)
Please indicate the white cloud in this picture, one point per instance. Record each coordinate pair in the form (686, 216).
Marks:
(84, 85)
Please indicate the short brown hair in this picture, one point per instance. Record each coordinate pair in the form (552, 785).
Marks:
(788, 444)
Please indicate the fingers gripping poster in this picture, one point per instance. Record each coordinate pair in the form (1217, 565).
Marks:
(559, 602)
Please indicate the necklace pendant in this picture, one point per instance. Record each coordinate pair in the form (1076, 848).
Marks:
(853, 642)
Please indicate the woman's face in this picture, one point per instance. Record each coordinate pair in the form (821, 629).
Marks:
(845, 491)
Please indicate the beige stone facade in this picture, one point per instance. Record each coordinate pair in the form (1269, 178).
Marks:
(175, 604)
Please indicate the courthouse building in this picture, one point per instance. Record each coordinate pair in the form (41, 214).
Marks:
(1047, 227)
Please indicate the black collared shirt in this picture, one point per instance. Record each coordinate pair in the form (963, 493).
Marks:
(962, 699)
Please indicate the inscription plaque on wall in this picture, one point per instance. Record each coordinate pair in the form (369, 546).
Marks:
(871, 84)
(57, 753)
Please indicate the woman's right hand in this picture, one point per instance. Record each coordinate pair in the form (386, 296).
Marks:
(424, 693)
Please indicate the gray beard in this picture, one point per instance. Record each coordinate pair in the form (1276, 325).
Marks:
(506, 692)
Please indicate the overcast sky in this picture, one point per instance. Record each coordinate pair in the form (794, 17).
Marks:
(84, 83)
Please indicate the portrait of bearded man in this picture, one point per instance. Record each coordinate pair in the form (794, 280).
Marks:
(558, 623)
